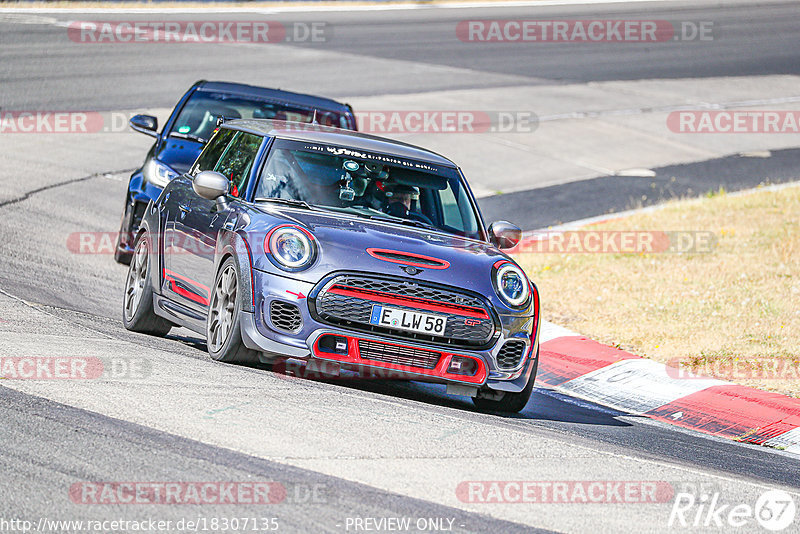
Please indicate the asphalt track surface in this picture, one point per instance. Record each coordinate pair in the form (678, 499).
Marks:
(375, 449)
(549, 206)
(38, 72)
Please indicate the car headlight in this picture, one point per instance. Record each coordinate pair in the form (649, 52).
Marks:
(158, 174)
(291, 247)
(511, 284)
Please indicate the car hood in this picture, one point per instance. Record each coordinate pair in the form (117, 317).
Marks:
(179, 154)
(343, 242)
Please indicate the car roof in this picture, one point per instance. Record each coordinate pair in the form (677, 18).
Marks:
(304, 100)
(303, 131)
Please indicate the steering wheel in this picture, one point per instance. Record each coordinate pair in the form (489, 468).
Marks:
(420, 217)
(399, 210)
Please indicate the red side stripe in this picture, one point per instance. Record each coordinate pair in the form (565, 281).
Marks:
(188, 294)
(173, 277)
(171, 274)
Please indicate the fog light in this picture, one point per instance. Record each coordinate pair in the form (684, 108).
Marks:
(463, 366)
(333, 344)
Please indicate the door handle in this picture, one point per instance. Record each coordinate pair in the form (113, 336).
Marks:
(183, 209)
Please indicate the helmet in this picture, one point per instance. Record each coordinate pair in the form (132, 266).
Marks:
(395, 190)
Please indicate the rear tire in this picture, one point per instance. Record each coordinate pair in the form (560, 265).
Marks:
(223, 328)
(122, 256)
(137, 304)
(510, 402)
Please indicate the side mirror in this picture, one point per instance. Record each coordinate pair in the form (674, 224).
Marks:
(145, 124)
(211, 186)
(503, 234)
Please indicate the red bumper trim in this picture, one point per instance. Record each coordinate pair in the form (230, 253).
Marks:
(354, 357)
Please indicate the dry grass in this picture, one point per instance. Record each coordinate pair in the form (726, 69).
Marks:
(738, 305)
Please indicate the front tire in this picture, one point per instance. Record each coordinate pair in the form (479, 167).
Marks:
(137, 305)
(223, 328)
(510, 402)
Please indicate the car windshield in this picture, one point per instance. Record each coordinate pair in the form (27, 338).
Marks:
(369, 185)
(198, 118)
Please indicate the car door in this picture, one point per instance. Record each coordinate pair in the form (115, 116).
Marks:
(206, 218)
(179, 228)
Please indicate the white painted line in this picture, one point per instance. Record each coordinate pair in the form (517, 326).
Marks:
(634, 386)
(788, 441)
(756, 154)
(637, 173)
(550, 331)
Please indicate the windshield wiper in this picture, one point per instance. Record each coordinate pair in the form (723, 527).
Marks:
(381, 216)
(289, 201)
(418, 224)
(188, 136)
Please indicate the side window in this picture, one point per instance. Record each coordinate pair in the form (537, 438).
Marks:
(208, 159)
(450, 211)
(457, 210)
(237, 161)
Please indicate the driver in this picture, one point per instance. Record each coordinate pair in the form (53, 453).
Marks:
(401, 200)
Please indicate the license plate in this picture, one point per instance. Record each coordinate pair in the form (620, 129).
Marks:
(408, 320)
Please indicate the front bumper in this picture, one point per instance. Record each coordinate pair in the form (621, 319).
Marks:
(140, 193)
(261, 334)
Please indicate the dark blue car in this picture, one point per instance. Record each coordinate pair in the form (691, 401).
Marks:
(301, 242)
(193, 122)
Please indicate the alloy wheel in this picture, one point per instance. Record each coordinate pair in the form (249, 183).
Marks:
(223, 307)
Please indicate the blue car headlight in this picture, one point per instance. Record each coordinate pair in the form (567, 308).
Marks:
(158, 174)
(511, 284)
(291, 248)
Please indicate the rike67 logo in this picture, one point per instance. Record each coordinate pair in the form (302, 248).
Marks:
(774, 510)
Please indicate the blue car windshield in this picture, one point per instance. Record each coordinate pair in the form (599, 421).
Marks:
(371, 185)
(198, 118)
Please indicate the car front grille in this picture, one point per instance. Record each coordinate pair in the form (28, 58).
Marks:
(347, 301)
(285, 316)
(407, 356)
(411, 289)
(510, 354)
